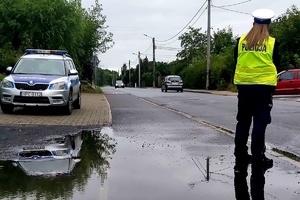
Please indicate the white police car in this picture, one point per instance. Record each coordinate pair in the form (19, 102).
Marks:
(41, 78)
(56, 158)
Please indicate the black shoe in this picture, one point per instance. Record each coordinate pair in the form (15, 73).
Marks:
(267, 163)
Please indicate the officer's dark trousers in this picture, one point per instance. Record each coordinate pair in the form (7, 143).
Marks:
(254, 103)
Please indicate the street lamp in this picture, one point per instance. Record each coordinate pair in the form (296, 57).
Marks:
(129, 74)
(153, 44)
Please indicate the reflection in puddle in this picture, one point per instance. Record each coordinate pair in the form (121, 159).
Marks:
(257, 184)
(59, 157)
(49, 172)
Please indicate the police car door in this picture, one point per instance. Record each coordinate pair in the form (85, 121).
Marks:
(74, 78)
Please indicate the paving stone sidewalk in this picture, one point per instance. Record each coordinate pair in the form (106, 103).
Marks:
(95, 111)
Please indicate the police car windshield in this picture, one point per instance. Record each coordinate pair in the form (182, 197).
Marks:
(40, 66)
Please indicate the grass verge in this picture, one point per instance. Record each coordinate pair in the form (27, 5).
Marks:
(88, 88)
(287, 154)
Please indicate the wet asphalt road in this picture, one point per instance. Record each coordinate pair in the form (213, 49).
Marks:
(219, 110)
(162, 154)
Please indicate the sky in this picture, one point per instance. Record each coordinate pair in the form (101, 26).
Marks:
(165, 20)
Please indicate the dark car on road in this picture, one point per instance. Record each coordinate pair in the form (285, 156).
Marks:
(172, 82)
(288, 82)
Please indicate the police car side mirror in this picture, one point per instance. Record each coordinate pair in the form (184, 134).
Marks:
(73, 72)
(8, 70)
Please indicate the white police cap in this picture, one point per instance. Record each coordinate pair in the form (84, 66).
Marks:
(263, 16)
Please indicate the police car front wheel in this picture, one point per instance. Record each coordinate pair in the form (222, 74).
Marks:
(68, 109)
(77, 102)
(7, 108)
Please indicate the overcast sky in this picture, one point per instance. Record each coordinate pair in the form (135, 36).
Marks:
(165, 20)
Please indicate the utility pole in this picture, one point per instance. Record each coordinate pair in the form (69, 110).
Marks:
(208, 44)
(153, 41)
(153, 44)
(139, 55)
(129, 74)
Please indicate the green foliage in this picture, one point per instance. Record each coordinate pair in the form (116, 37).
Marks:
(194, 76)
(193, 44)
(2, 76)
(8, 57)
(222, 39)
(286, 29)
(87, 87)
(163, 69)
(56, 24)
(222, 69)
(177, 66)
(98, 90)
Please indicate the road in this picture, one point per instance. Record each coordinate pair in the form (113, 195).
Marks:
(220, 111)
(151, 151)
(156, 152)
(162, 153)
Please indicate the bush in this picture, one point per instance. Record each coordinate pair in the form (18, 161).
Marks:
(2, 76)
(194, 76)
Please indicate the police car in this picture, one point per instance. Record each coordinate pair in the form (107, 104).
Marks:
(56, 158)
(41, 78)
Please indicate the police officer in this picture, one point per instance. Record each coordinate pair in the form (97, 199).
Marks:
(256, 56)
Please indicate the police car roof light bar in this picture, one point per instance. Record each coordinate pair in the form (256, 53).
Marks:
(43, 51)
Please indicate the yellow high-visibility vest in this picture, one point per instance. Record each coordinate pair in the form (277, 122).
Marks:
(255, 65)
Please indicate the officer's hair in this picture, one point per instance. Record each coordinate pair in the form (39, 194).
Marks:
(258, 34)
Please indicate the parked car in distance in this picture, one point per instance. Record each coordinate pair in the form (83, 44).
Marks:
(288, 82)
(41, 78)
(119, 84)
(172, 82)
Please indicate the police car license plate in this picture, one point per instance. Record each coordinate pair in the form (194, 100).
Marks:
(34, 147)
(31, 94)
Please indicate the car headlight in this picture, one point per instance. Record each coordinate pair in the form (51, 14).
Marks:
(58, 86)
(7, 84)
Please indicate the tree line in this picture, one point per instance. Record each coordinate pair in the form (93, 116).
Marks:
(55, 24)
(62, 24)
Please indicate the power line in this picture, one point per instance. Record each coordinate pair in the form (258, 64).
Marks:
(231, 10)
(235, 4)
(186, 30)
(185, 25)
(147, 49)
(169, 42)
(190, 26)
(199, 17)
(169, 48)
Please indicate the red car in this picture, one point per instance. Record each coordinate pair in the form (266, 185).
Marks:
(288, 82)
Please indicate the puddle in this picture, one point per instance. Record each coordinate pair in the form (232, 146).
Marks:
(71, 167)
(103, 164)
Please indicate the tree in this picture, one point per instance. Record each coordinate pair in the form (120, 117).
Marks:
(286, 29)
(222, 39)
(56, 24)
(193, 44)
